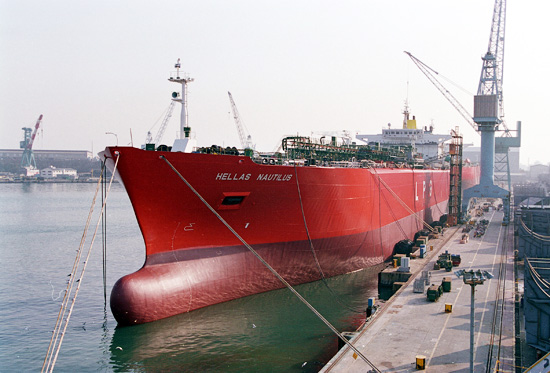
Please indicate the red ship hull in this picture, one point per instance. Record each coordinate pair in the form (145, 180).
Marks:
(306, 222)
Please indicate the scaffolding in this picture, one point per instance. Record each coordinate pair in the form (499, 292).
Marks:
(455, 193)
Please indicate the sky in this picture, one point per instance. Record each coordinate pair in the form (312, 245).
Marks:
(292, 67)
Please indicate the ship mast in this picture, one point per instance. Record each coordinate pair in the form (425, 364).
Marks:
(183, 142)
(406, 114)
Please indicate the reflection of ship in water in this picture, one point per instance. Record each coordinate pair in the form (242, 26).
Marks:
(249, 333)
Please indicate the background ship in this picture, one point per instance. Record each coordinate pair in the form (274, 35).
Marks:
(319, 209)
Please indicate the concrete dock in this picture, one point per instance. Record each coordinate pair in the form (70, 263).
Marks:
(411, 326)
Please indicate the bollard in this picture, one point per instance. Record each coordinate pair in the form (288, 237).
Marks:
(370, 307)
(348, 335)
(420, 362)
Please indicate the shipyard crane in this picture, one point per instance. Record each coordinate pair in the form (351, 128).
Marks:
(490, 84)
(490, 87)
(489, 114)
(431, 74)
(28, 161)
(162, 128)
(502, 144)
(490, 81)
(246, 140)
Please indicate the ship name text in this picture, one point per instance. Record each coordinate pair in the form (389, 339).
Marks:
(231, 176)
(228, 176)
(274, 177)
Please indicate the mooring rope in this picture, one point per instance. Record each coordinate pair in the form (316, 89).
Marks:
(305, 224)
(393, 215)
(403, 203)
(70, 283)
(415, 199)
(380, 219)
(432, 188)
(323, 277)
(62, 322)
(327, 323)
(104, 235)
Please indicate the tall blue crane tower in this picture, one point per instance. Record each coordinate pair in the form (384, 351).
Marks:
(488, 115)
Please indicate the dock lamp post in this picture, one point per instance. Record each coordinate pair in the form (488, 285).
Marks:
(112, 133)
(473, 278)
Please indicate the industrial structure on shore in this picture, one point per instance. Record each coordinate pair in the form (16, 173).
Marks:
(29, 164)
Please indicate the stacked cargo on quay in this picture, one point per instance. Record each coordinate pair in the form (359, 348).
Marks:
(319, 208)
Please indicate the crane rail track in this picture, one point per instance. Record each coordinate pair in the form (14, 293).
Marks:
(495, 343)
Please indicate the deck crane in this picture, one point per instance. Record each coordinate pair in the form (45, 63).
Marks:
(162, 128)
(431, 74)
(28, 161)
(246, 140)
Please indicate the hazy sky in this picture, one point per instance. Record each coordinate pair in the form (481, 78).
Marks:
(292, 67)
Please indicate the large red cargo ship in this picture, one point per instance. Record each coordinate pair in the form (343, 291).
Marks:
(308, 219)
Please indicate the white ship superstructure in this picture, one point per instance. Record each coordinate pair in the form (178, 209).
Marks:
(427, 143)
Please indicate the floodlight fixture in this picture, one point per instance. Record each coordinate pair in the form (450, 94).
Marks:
(473, 278)
(112, 133)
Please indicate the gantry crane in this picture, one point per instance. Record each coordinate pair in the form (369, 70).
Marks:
(246, 139)
(28, 161)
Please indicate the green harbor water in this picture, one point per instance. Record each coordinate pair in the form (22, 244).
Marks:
(41, 227)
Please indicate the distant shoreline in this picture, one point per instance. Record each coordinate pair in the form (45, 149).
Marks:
(49, 181)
